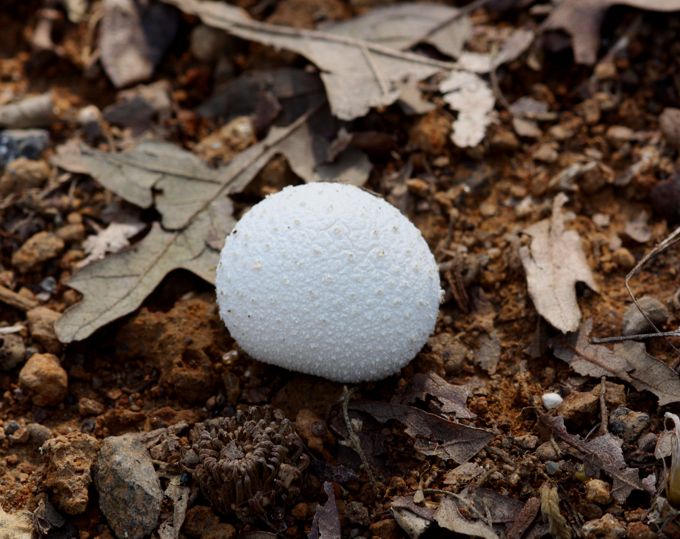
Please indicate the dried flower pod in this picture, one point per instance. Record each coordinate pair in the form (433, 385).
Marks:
(248, 462)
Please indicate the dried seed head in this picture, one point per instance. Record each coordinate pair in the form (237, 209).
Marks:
(246, 462)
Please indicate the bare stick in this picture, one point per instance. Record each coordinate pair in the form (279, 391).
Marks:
(354, 439)
(670, 240)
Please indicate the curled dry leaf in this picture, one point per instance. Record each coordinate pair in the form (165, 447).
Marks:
(402, 26)
(133, 37)
(600, 453)
(326, 523)
(628, 361)
(554, 262)
(582, 20)
(447, 398)
(448, 517)
(357, 73)
(474, 101)
(432, 435)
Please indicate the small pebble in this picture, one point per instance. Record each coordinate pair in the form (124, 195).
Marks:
(39, 248)
(12, 351)
(68, 475)
(527, 441)
(208, 43)
(130, 493)
(38, 433)
(552, 467)
(45, 379)
(15, 143)
(639, 530)
(634, 322)
(23, 174)
(597, 491)
(607, 527)
(547, 451)
(579, 403)
(623, 258)
(41, 322)
(357, 513)
(628, 423)
(90, 407)
(669, 123)
(551, 400)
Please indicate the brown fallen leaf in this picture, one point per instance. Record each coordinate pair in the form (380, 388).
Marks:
(582, 20)
(554, 263)
(133, 37)
(447, 398)
(432, 435)
(402, 26)
(326, 523)
(448, 517)
(196, 213)
(628, 361)
(358, 74)
(600, 453)
(414, 519)
(487, 506)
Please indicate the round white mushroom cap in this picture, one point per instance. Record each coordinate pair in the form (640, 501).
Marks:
(329, 280)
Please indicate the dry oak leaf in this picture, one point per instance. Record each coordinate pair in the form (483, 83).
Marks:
(357, 73)
(627, 361)
(432, 434)
(554, 262)
(133, 36)
(582, 20)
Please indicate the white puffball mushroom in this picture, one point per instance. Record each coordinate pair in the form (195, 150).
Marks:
(551, 400)
(328, 280)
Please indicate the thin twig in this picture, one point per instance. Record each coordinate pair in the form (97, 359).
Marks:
(635, 337)
(354, 439)
(670, 240)
(17, 301)
(604, 420)
(462, 12)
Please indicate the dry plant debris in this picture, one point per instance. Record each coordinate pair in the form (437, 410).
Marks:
(554, 262)
(583, 18)
(627, 361)
(245, 463)
(358, 74)
(600, 453)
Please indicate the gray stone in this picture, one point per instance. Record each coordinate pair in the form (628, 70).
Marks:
(628, 423)
(12, 351)
(28, 143)
(130, 492)
(634, 321)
